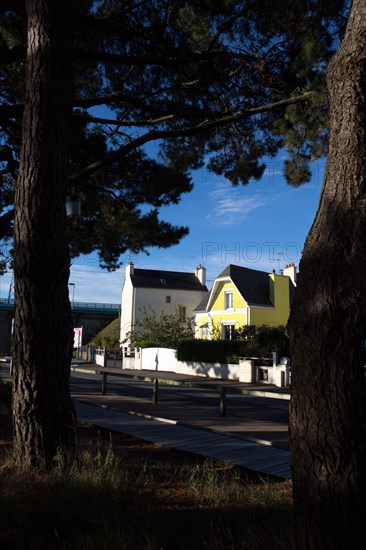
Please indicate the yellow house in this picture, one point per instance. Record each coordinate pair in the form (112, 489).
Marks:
(241, 296)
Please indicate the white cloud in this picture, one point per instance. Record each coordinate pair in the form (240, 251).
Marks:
(93, 284)
(230, 205)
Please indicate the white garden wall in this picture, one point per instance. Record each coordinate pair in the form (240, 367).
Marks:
(165, 360)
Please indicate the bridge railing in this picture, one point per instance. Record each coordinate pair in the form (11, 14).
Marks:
(75, 305)
(7, 304)
(94, 305)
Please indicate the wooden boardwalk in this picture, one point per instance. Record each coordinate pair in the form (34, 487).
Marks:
(264, 459)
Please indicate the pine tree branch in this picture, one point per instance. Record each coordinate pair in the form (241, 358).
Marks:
(161, 61)
(113, 122)
(7, 218)
(154, 135)
(86, 103)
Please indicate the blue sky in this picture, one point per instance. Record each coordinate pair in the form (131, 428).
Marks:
(262, 226)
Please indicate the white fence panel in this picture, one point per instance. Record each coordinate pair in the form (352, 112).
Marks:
(159, 359)
(226, 371)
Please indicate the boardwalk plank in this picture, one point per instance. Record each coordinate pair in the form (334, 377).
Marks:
(263, 459)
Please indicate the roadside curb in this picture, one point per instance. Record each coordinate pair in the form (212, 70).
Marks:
(256, 392)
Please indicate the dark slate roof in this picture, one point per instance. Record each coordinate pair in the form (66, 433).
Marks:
(203, 303)
(174, 280)
(253, 285)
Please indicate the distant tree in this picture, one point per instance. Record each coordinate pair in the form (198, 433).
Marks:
(164, 330)
(109, 335)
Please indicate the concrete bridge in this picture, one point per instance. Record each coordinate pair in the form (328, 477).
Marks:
(91, 316)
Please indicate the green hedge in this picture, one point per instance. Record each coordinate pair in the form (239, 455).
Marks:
(211, 351)
(146, 343)
(263, 341)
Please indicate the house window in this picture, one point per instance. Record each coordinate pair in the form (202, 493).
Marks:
(167, 299)
(228, 332)
(229, 300)
(204, 331)
(182, 313)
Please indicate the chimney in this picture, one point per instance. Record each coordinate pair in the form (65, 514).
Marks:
(290, 271)
(201, 274)
(129, 269)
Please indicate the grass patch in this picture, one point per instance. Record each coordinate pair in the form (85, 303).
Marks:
(123, 493)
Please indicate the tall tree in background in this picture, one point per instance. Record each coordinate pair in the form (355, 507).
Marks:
(42, 340)
(327, 323)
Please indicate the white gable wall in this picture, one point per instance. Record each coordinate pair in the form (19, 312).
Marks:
(156, 299)
(127, 308)
(137, 302)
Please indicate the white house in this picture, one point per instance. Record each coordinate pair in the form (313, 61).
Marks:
(161, 291)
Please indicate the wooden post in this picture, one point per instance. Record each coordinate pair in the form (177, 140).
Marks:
(105, 361)
(222, 401)
(155, 391)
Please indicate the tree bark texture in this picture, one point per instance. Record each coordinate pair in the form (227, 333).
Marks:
(42, 345)
(327, 323)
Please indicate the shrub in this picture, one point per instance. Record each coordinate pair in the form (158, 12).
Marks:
(146, 343)
(109, 335)
(164, 330)
(269, 339)
(250, 341)
(211, 351)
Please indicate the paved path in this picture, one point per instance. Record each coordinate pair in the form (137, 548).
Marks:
(250, 417)
(252, 435)
(259, 458)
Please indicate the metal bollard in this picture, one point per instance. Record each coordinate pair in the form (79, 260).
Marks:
(155, 391)
(104, 383)
(222, 401)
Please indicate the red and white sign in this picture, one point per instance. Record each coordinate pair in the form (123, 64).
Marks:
(78, 337)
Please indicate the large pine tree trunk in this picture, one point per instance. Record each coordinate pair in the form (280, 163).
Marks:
(327, 323)
(42, 344)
